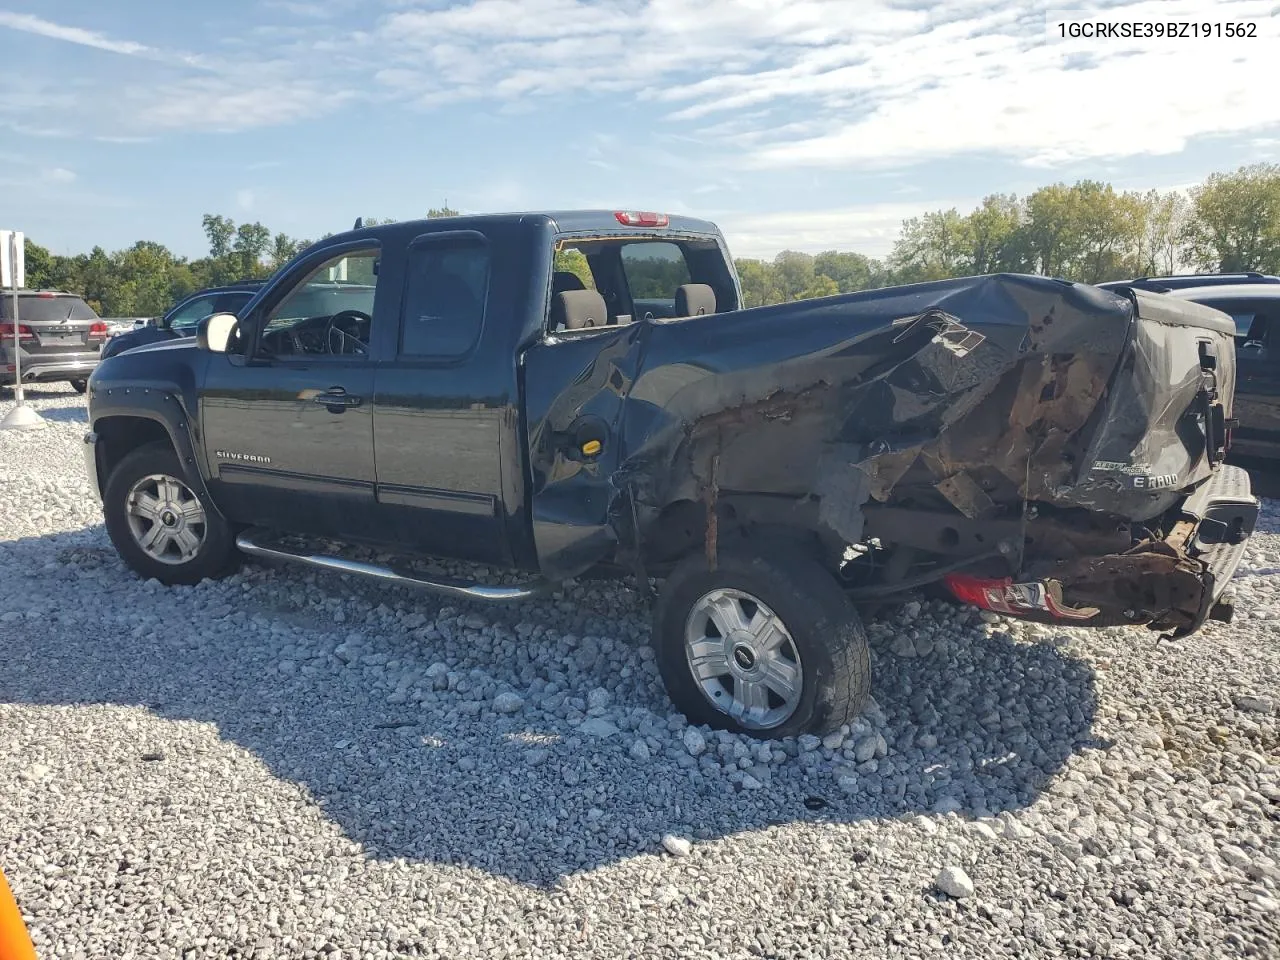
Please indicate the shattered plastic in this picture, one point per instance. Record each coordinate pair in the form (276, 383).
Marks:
(977, 396)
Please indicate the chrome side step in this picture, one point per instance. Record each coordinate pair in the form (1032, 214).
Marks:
(448, 587)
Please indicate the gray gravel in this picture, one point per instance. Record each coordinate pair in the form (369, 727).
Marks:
(287, 764)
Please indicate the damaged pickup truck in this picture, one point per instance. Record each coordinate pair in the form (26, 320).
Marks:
(557, 395)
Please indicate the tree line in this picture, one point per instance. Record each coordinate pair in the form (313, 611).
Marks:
(146, 279)
(1086, 231)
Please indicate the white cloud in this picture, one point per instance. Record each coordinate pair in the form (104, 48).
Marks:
(865, 83)
(56, 31)
(244, 200)
(868, 229)
(57, 175)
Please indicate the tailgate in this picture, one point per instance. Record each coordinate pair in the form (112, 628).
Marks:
(1164, 422)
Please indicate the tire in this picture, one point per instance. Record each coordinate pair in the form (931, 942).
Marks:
(137, 477)
(821, 628)
(79, 386)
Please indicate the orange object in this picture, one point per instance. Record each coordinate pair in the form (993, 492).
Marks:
(15, 943)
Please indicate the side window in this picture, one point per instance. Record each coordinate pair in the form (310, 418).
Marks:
(654, 270)
(328, 312)
(186, 317)
(445, 288)
(232, 302)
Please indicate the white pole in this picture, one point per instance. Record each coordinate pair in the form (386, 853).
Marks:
(17, 348)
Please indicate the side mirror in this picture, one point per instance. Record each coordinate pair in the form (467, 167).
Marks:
(214, 331)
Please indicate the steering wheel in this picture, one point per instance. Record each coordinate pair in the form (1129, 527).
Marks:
(344, 341)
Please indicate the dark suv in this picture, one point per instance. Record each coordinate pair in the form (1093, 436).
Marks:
(1252, 300)
(59, 338)
(182, 319)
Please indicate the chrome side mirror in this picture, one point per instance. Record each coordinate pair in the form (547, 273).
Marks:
(215, 331)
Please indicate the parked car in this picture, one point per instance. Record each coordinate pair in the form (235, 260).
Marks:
(59, 338)
(1046, 450)
(1187, 280)
(1255, 310)
(181, 319)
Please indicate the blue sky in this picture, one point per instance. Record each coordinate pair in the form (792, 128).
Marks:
(808, 124)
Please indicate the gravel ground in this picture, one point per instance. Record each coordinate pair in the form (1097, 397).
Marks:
(286, 764)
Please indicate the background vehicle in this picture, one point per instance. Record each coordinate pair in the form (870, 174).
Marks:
(1189, 280)
(59, 337)
(1255, 310)
(182, 318)
(1252, 300)
(441, 388)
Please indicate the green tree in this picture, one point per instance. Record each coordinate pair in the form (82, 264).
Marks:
(252, 243)
(992, 236)
(575, 262)
(220, 231)
(931, 247)
(1235, 221)
(435, 213)
(759, 285)
(849, 271)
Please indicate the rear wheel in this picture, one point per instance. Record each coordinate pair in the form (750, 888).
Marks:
(79, 386)
(160, 526)
(769, 646)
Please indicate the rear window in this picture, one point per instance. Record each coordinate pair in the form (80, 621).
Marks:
(37, 309)
(654, 270)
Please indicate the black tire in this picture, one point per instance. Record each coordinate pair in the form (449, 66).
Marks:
(79, 386)
(216, 555)
(827, 633)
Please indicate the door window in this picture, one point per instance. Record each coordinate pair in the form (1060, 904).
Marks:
(446, 284)
(187, 316)
(329, 313)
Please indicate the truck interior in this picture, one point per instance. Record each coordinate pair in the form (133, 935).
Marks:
(610, 281)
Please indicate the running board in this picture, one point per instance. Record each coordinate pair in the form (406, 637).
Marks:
(448, 587)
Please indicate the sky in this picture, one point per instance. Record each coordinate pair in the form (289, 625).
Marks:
(793, 124)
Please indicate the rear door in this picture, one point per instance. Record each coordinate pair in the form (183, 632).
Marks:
(439, 410)
(1257, 402)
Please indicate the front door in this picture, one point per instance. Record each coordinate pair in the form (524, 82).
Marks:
(288, 431)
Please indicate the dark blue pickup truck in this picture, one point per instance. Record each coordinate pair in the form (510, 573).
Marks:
(581, 394)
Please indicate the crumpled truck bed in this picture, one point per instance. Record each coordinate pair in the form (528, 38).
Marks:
(983, 393)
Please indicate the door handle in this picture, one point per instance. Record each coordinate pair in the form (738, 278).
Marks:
(337, 397)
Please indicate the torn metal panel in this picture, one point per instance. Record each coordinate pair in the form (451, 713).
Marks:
(978, 395)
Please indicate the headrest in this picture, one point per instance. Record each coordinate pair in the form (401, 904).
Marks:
(695, 299)
(576, 309)
(563, 280)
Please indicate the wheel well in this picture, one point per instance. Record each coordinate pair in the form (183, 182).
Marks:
(681, 528)
(120, 435)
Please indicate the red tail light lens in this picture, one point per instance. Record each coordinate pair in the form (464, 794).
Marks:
(97, 329)
(25, 333)
(634, 218)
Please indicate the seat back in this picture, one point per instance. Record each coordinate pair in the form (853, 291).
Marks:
(578, 309)
(695, 300)
(562, 280)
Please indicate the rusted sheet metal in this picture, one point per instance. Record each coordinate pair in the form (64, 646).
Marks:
(982, 393)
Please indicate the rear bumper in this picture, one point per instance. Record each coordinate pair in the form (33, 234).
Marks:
(37, 368)
(1175, 583)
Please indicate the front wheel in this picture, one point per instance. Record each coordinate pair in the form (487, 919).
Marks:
(764, 645)
(79, 386)
(159, 525)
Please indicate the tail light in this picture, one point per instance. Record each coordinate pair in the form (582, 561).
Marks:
(634, 218)
(97, 330)
(1015, 599)
(25, 333)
